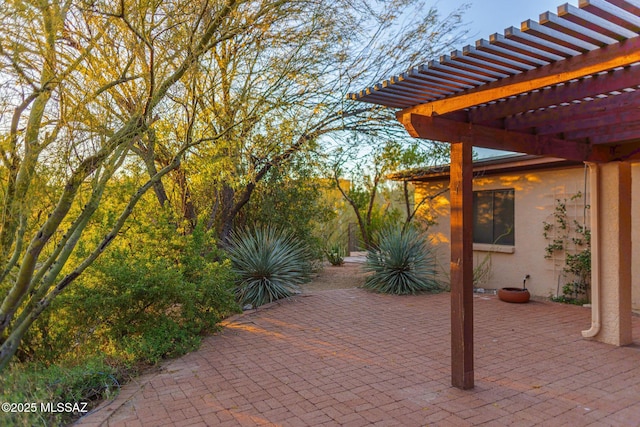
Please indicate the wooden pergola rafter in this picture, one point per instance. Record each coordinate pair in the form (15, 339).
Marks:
(581, 65)
(567, 86)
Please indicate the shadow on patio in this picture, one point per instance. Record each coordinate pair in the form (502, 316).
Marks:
(353, 358)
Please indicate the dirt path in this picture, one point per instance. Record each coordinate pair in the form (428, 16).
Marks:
(348, 275)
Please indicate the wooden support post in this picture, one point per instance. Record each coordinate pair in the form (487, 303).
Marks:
(461, 188)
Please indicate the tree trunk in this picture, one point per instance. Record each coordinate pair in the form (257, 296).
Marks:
(187, 209)
(158, 187)
(226, 221)
(362, 225)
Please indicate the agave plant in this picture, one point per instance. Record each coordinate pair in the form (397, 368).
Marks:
(403, 263)
(335, 254)
(270, 264)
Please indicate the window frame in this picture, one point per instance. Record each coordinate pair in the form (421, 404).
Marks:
(501, 246)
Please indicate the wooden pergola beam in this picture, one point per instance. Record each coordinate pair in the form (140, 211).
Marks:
(439, 129)
(623, 152)
(574, 112)
(601, 132)
(583, 125)
(617, 80)
(621, 139)
(607, 58)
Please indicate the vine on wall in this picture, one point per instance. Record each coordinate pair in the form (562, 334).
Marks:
(573, 240)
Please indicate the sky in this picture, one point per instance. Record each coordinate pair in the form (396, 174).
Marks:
(486, 17)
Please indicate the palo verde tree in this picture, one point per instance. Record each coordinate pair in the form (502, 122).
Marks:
(280, 88)
(83, 85)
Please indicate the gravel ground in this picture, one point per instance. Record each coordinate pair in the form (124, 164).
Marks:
(348, 275)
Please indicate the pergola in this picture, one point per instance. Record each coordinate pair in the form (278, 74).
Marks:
(566, 86)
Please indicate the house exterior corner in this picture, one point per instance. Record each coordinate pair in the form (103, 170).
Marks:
(534, 191)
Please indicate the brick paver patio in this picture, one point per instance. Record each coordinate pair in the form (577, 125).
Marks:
(352, 358)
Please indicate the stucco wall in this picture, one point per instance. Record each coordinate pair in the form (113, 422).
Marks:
(535, 199)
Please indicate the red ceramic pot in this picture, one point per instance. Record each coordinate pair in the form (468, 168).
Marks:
(517, 295)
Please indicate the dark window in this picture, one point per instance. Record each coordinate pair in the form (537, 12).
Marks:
(493, 217)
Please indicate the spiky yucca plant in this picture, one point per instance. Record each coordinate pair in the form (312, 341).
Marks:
(270, 264)
(402, 264)
(335, 254)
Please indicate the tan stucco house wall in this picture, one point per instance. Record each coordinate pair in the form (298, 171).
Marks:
(535, 194)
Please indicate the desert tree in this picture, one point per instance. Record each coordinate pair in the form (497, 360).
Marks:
(282, 88)
(370, 194)
(83, 85)
(380, 145)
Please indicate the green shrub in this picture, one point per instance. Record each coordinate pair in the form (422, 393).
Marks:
(151, 309)
(403, 263)
(270, 264)
(88, 382)
(139, 304)
(335, 254)
(152, 295)
(277, 197)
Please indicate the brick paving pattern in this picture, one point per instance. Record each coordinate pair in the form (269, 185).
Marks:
(352, 358)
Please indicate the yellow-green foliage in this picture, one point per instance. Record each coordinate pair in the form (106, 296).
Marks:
(150, 297)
